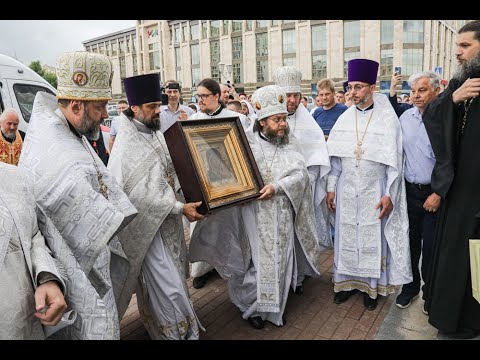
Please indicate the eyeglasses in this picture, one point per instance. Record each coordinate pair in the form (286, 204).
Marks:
(278, 121)
(203, 96)
(357, 87)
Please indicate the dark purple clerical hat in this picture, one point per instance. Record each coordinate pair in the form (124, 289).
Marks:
(143, 89)
(363, 70)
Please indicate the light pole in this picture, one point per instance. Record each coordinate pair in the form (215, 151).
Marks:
(225, 71)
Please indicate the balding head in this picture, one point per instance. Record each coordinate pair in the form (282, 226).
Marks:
(9, 123)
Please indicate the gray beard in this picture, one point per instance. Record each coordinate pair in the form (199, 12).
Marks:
(9, 136)
(470, 69)
(277, 140)
(92, 134)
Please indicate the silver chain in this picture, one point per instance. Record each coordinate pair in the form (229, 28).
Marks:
(466, 104)
(102, 187)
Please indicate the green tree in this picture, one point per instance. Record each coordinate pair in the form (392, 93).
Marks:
(51, 78)
(37, 67)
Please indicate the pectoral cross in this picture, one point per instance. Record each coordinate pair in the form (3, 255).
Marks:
(359, 151)
(268, 177)
(103, 188)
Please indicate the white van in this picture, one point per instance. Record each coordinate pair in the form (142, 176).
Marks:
(18, 87)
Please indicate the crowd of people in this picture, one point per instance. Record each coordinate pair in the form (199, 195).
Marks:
(381, 182)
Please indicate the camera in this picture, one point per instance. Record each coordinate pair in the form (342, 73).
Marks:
(398, 70)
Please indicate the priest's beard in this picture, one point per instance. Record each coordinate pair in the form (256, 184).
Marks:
(275, 139)
(89, 127)
(10, 135)
(153, 124)
(469, 69)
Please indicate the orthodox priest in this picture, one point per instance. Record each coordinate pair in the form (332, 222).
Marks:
(366, 190)
(81, 207)
(265, 246)
(452, 123)
(30, 283)
(312, 145)
(154, 241)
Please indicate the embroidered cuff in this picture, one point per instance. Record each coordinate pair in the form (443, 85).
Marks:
(331, 183)
(178, 208)
(276, 186)
(44, 277)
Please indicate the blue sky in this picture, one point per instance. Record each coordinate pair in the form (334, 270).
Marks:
(44, 40)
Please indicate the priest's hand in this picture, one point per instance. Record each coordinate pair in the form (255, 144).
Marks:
(49, 303)
(331, 201)
(190, 211)
(267, 192)
(432, 203)
(386, 204)
(469, 89)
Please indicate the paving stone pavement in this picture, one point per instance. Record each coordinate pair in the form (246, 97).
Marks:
(312, 315)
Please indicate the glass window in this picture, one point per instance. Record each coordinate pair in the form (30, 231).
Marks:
(214, 52)
(289, 42)
(236, 25)
(195, 75)
(262, 24)
(204, 29)
(195, 54)
(127, 44)
(262, 44)
(135, 64)
(121, 44)
(289, 61)
(237, 73)
(413, 31)
(249, 24)
(154, 59)
(319, 37)
(237, 48)
(184, 33)
(194, 32)
(225, 27)
(262, 71)
(386, 62)
(134, 43)
(179, 76)
(319, 67)
(25, 94)
(101, 48)
(178, 57)
(351, 34)
(386, 32)
(276, 22)
(214, 28)
(288, 21)
(412, 61)
(114, 48)
(215, 73)
(177, 34)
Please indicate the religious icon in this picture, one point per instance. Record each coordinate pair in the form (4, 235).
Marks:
(214, 162)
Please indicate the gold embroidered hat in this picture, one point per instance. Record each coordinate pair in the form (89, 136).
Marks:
(269, 100)
(288, 78)
(83, 75)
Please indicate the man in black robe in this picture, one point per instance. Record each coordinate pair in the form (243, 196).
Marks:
(453, 126)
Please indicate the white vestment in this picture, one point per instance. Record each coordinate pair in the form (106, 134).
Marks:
(370, 255)
(154, 241)
(278, 236)
(78, 222)
(23, 256)
(314, 148)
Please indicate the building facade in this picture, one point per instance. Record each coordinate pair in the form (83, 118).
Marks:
(246, 52)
